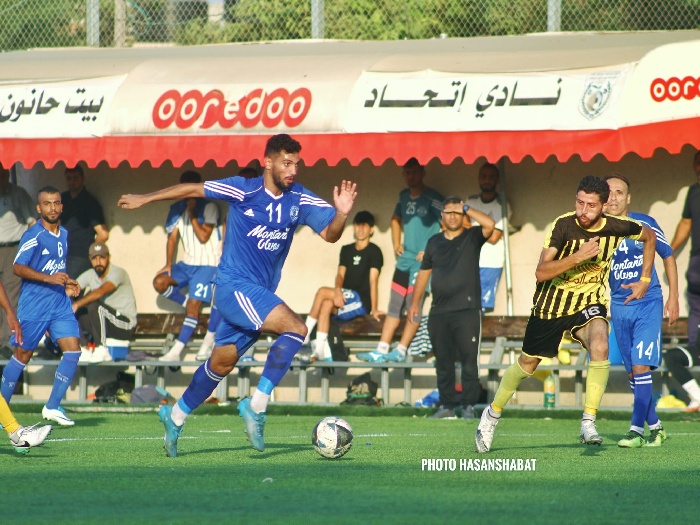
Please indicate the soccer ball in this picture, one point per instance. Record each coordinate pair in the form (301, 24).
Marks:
(332, 437)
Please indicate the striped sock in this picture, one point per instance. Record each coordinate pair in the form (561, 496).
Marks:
(203, 383)
(189, 325)
(174, 295)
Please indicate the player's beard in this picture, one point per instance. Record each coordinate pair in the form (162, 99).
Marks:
(592, 223)
(279, 182)
(100, 270)
(50, 220)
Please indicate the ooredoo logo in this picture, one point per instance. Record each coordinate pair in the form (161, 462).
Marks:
(206, 110)
(674, 88)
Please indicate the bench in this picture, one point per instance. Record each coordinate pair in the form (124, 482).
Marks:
(501, 337)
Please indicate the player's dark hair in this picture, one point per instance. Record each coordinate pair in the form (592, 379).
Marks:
(280, 143)
(413, 163)
(619, 176)
(593, 184)
(452, 199)
(46, 189)
(76, 169)
(490, 166)
(190, 176)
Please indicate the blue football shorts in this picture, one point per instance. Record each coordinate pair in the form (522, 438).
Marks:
(489, 277)
(353, 306)
(33, 330)
(198, 278)
(638, 332)
(244, 308)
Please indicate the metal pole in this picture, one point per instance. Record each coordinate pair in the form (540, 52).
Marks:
(318, 29)
(119, 23)
(553, 15)
(506, 239)
(93, 23)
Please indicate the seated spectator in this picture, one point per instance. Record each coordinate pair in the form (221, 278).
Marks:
(355, 291)
(108, 306)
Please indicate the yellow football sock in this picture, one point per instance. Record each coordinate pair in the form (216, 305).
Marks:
(7, 419)
(509, 384)
(596, 381)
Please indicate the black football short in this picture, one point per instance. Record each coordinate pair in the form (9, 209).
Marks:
(543, 336)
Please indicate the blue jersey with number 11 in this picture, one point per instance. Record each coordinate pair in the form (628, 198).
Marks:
(44, 252)
(260, 227)
(627, 263)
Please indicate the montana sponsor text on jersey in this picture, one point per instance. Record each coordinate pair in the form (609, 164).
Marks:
(627, 263)
(585, 283)
(44, 252)
(260, 227)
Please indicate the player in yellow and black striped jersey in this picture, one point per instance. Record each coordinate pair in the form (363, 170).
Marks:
(585, 283)
(570, 295)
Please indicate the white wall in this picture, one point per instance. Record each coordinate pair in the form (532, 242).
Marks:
(537, 194)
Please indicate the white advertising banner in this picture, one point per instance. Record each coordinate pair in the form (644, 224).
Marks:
(60, 109)
(230, 108)
(435, 101)
(665, 86)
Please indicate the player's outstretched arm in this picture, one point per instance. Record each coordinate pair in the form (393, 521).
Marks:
(343, 199)
(131, 201)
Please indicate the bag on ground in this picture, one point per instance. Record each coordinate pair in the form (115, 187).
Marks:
(362, 391)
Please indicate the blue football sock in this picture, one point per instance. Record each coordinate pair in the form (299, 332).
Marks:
(174, 295)
(188, 327)
(642, 399)
(203, 383)
(10, 376)
(214, 319)
(62, 380)
(279, 359)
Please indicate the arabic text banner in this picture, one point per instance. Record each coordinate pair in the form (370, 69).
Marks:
(61, 109)
(435, 101)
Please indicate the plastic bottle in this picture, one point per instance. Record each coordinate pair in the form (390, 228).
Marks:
(549, 392)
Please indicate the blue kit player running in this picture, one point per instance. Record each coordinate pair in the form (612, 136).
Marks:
(263, 214)
(45, 304)
(637, 324)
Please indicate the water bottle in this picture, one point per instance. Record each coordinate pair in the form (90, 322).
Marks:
(549, 392)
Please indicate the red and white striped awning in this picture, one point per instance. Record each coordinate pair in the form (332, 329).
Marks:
(531, 96)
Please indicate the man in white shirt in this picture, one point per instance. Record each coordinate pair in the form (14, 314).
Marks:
(492, 257)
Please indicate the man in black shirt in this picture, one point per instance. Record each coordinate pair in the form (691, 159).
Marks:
(452, 260)
(355, 291)
(82, 216)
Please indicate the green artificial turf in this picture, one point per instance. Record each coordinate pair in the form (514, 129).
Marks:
(111, 468)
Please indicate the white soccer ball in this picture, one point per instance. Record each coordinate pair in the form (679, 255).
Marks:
(332, 437)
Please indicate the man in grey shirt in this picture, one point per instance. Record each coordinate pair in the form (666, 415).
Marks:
(17, 213)
(110, 305)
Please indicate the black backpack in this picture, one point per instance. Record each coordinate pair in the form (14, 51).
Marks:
(116, 391)
(362, 391)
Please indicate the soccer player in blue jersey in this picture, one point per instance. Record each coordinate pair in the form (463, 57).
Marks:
(637, 324)
(45, 304)
(263, 214)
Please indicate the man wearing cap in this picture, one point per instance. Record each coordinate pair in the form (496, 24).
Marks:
(17, 214)
(110, 305)
(355, 291)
